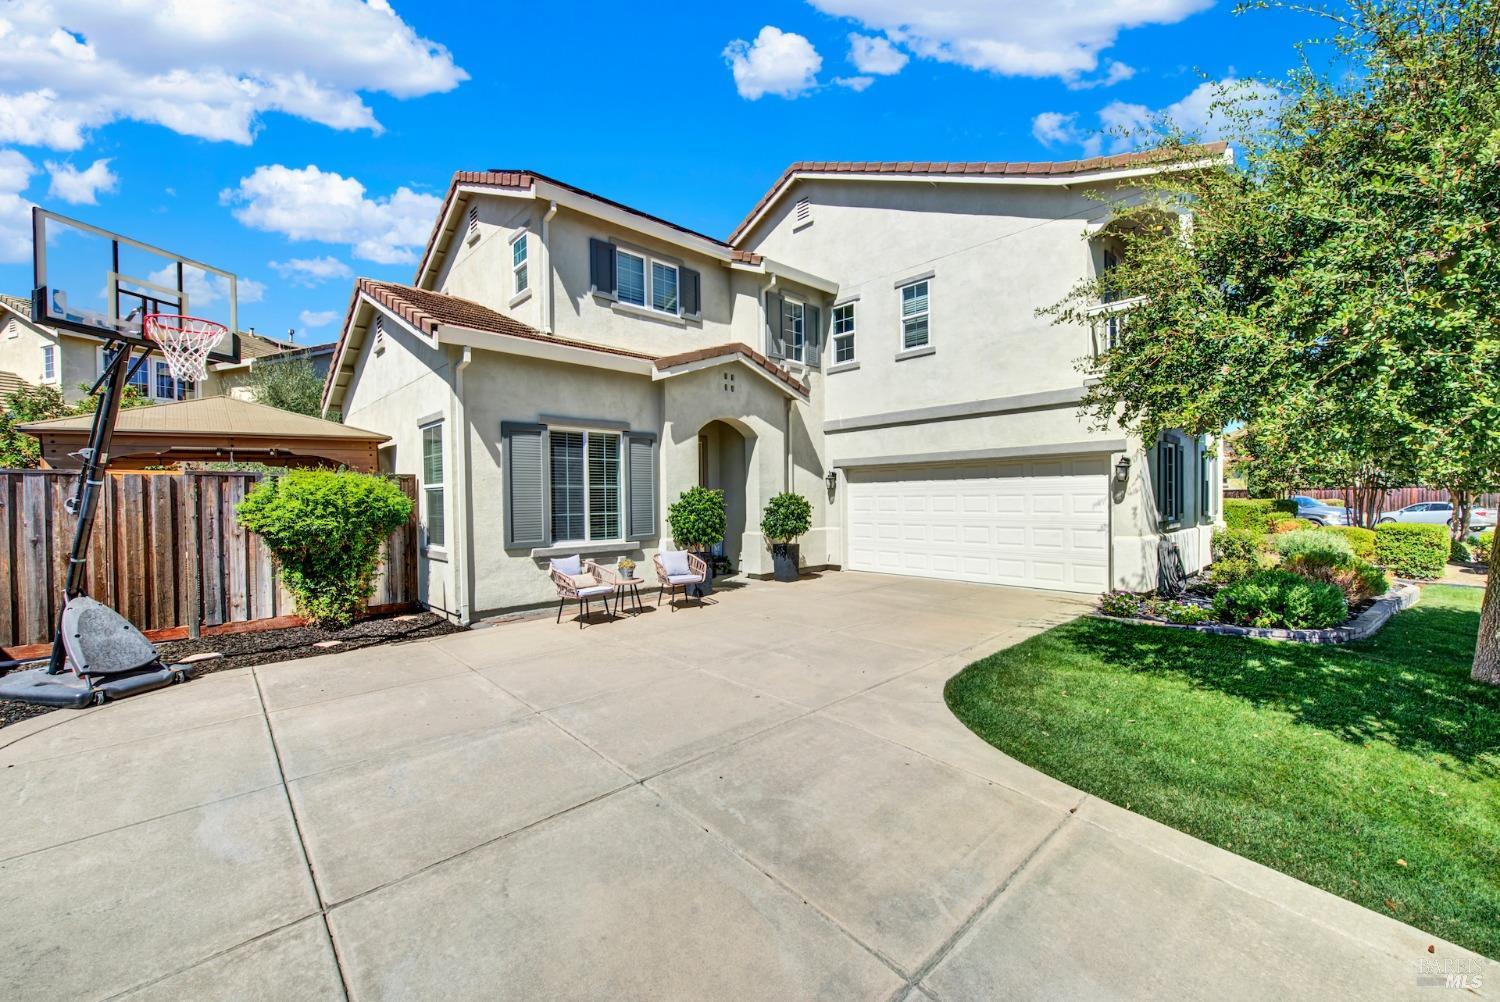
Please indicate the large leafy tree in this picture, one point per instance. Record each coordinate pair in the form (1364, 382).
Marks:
(290, 383)
(1335, 291)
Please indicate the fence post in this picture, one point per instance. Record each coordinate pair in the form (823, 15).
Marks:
(194, 563)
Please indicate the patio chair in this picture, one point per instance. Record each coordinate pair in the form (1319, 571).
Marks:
(678, 569)
(579, 581)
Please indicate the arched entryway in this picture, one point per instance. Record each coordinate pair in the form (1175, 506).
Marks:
(725, 448)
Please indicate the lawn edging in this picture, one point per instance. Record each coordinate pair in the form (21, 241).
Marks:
(1402, 595)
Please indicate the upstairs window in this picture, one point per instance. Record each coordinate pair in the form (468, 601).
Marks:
(843, 333)
(794, 330)
(49, 362)
(664, 287)
(915, 309)
(518, 249)
(631, 276)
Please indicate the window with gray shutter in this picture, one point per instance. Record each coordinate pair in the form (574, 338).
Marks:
(640, 462)
(691, 292)
(525, 484)
(773, 326)
(602, 267)
(813, 322)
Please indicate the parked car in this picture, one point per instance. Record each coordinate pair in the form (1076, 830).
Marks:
(1438, 513)
(1320, 512)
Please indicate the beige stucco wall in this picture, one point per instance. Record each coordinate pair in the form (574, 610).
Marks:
(394, 392)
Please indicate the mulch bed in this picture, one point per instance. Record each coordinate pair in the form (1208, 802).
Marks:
(243, 650)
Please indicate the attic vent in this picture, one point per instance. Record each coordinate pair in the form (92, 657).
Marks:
(804, 210)
(473, 221)
(380, 334)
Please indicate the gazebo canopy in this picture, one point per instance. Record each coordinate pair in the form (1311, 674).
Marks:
(213, 429)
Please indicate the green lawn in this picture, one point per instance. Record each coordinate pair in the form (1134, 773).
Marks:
(1372, 771)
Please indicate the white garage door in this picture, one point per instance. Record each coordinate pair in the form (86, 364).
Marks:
(1035, 524)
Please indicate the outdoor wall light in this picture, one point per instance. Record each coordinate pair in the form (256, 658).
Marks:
(1122, 470)
(832, 480)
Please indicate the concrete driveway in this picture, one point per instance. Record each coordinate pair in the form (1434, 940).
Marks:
(764, 798)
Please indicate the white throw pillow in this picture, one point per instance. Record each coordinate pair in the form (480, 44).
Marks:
(675, 562)
(568, 565)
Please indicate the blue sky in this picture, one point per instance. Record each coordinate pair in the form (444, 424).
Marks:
(300, 144)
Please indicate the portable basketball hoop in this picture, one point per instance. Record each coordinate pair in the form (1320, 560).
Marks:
(184, 342)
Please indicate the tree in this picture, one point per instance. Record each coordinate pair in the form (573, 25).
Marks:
(20, 451)
(290, 383)
(1342, 282)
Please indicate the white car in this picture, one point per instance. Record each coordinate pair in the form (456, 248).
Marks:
(1438, 513)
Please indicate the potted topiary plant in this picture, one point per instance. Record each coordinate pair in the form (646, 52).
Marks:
(697, 521)
(786, 517)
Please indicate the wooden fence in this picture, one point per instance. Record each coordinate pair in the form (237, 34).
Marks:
(166, 552)
(1400, 497)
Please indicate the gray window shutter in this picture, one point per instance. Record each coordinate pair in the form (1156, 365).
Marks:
(812, 319)
(525, 483)
(640, 461)
(773, 326)
(691, 292)
(602, 266)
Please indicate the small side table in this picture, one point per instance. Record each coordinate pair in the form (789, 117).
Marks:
(632, 586)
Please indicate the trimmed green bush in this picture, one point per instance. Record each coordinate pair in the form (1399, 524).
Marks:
(1411, 549)
(1361, 539)
(1254, 514)
(1459, 552)
(1235, 545)
(1120, 603)
(1313, 548)
(1282, 599)
(1227, 572)
(1484, 542)
(786, 517)
(1291, 525)
(1181, 613)
(697, 518)
(326, 529)
(1285, 506)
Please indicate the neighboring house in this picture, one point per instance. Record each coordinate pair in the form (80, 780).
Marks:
(564, 366)
(43, 355)
(233, 378)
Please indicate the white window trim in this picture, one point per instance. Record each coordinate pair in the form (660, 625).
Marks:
(192, 391)
(787, 356)
(910, 351)
(833, 337)
(619, 437)
(433, 549)
(49, 349)
(648, 282)
(515, 269)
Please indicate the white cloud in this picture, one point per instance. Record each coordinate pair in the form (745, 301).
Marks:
(1114, 72)
(1012, 37)
(311, 270)
(248, 290)
(778, 62)
(856, 84)
(317, 318)
(15, 211)
(874, 55)
(81, 187)
(205, 289)
(1125, 126)
(310, 204)
(205, 68)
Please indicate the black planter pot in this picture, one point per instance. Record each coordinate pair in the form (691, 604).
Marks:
(785, 558)
(707, 587)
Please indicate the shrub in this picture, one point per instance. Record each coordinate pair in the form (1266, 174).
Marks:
(1363, 540)
(1281, 598)
(697, 518)
(1411, 549)
(1120, 603)
(325, 529)
(1459, 552)
(1254, 514)
(1290, 525)
(1285, 506)
(1235, 545)
(1360, 580)
(1313, 548)
(786, 517)
(1227, 572)
(1484, 542)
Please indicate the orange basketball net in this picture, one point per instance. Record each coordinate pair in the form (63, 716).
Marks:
(184, 342)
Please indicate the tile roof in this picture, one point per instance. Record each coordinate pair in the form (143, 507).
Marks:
(9, 383)
(21, 304)
(213, 416)
(1119, 161)
(734, 348)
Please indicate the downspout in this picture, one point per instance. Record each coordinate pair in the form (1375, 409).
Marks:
(547, 313)
(463, 506)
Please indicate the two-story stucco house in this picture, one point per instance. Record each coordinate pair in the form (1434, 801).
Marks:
(564, 366)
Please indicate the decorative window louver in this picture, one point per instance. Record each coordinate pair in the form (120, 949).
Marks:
(473, 220)
(804, 210)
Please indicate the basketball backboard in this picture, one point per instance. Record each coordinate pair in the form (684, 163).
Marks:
(99, 283)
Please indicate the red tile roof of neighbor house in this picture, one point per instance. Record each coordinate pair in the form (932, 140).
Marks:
(426, 310)
(1119, 161)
